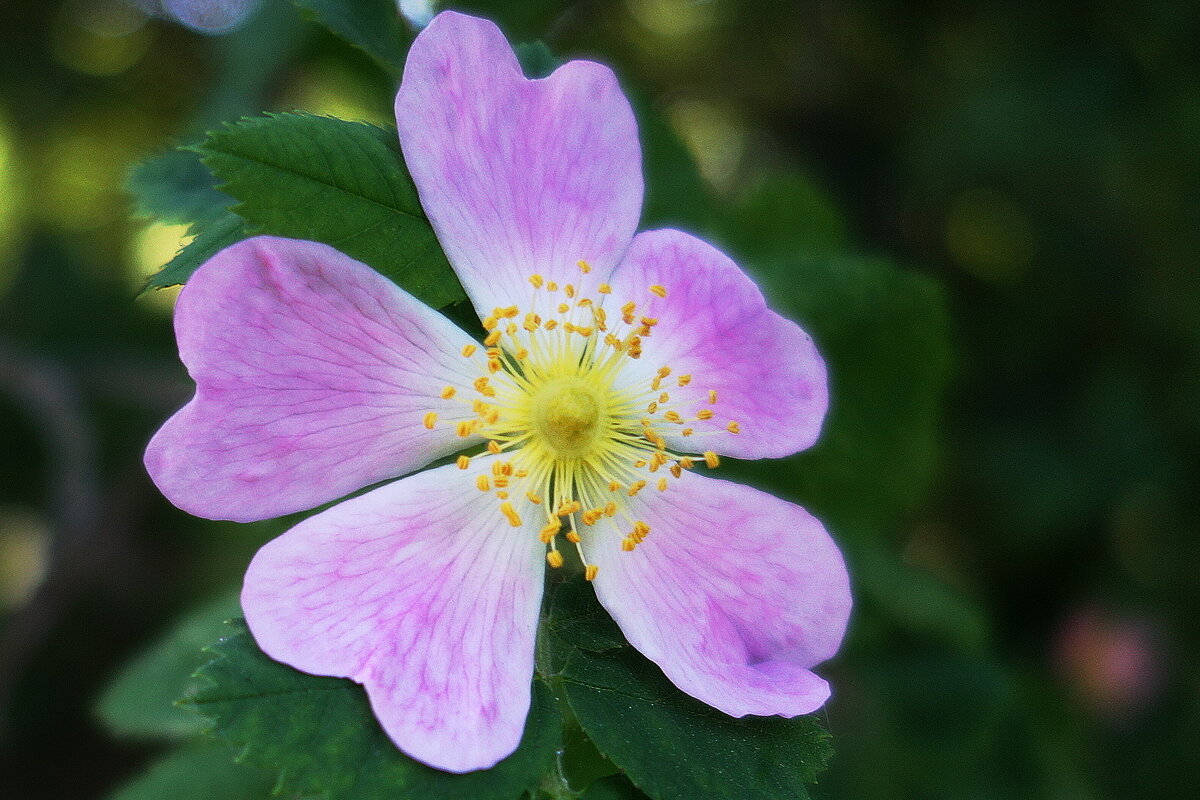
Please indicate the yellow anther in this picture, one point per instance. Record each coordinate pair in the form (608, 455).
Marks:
(628, 544)
(554, 559)
(676, 470)
(640, 530)
(502, 495)
(636, 487)
(613, 486)
(465, 428)
(521, 473)
(563, 308)
(584, 302)
(536, 280)
(550, 530)
(551, 324)
(510, 312)
(501, 482)
(711, 459)
(569, 290)
(584, 267)
(684, 380)
(663, 372)
(430, 419)
(510, 514)
(567, 507)
(533, 498)
(686, 462)
(493, 365)
(656, 384)
(661, 291)
(493, 352)
(531, 323)
(591, 571)
(614, 342)
(490, 323)
(592, 516)
(686, 431)
(483, 386)
(649, 322)
(551, 287)
(463, 462)
(585, 331)
(511, 329)
(481, 481)
(652, 408)
(497, 468)
(522, 354)
(493, 337)
(491, 415)
(641, 462)
(712, 396)
(629, 307)
(493, 447)
(673, 416)
(573, 536)
(448, 392)
(704, 413)
(664, 397)
(662, 484)
(469, 350)
(657, 460)
(733, 427)
(604, 288)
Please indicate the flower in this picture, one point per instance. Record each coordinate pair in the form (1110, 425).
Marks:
(614, 366)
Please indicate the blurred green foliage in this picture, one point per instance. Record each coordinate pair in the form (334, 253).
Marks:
(985, 213)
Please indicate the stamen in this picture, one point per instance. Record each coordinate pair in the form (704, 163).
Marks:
(584, 266)
(493, 447)
(733, 427)
(591, 571)
(430, 419)
(463, 462)
(604, 288)
(712, 396)
(481, 481)
(536, 280)
(661, 291)
(469, 350)
(554, 559)
(449, 392)
(711, 459)
(514, 519)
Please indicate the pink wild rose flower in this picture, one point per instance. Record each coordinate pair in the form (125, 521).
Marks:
(615, 366)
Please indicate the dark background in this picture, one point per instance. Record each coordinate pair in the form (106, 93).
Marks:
(1039, 161)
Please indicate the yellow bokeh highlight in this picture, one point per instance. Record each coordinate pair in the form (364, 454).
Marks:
(151, 248)
(714, 137)
(673, 19)
(100, 37)
(12, 201)
(24, 553)
(332, 90)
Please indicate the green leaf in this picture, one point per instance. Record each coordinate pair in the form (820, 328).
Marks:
(373, 26)
(175, 187)
(333, 181)
(321, 737)
(200, 771)
(614, 787)
(211, 237)
(672, 746)
(141, 701)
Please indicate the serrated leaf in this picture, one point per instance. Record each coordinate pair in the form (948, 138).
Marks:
(338, 182)
(672, 746)
(211, 237)
(201, 771)
(373, 26)
(175, 187)
(141, 701)
(321, 737)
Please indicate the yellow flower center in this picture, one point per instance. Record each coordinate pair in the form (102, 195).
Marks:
(566, 415)
(580, 434)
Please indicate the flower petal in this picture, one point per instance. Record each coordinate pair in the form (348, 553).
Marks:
(735, 594)
(517, 176)
(313, 375)
(422, 592)
(715, 326)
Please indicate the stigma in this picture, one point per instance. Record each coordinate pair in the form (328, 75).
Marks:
(575, 430)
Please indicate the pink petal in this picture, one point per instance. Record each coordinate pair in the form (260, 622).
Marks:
(735, 594)
(518, 176)
(422, 592)
(313, 375)
(715, 326)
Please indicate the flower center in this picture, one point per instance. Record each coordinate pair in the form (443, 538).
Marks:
(566, 415)
(577, 430)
